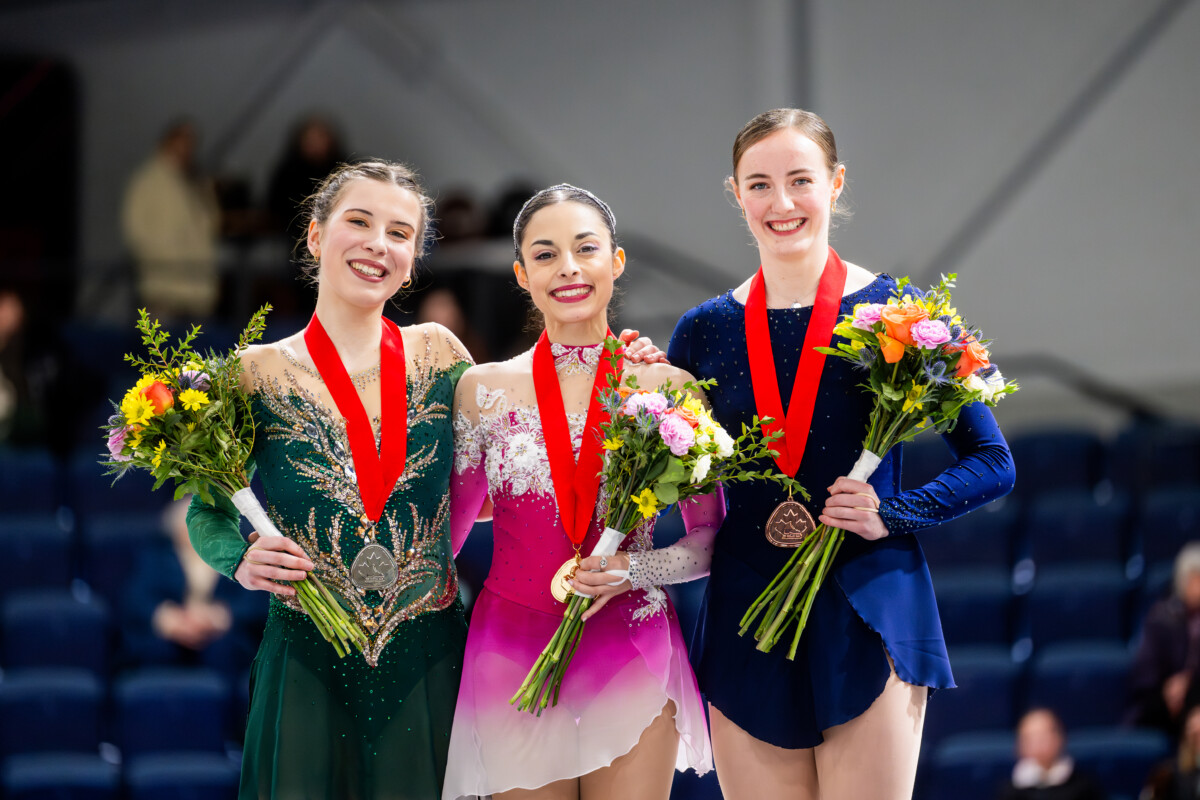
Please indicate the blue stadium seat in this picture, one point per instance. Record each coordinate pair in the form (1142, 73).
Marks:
(474, 560)
(182, 776)
(1057, 459)
(164, 710)
(28, 481)
(38, 553)
(56, 629)
(50, 710)
(90, 491)
(1079, 602)
(971, 765)
(1120, 758)
(1169, 519)
(976, 606)
(61, 776)
(1072, 527)
(986, 698)
(111, 545)
(983, 538)
(1151, 456)
(1085, 682)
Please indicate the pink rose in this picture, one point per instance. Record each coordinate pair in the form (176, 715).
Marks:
(929, 333)
(676, 434)
(116, 442)
(653, 403)
(866, 315)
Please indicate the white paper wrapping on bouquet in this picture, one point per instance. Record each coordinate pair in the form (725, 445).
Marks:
(251, 509)
(865, 467)
(610, 542)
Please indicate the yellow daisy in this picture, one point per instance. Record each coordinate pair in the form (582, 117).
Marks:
(193, 399)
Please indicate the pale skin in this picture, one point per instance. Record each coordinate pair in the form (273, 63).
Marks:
(365, 252)
(569, 269)
(787, 192)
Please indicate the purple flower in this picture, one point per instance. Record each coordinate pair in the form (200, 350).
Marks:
(116, 442)
(929, 333)
(652, 403)
(676, 434)
(194, 379)
(866, 315)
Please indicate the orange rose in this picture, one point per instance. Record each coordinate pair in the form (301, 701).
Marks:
(624, 391)
(893, 350)
(973, 358)
(159, 394)
(897, 321)
(686, 416)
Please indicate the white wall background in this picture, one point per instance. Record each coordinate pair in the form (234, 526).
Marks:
(934, 102)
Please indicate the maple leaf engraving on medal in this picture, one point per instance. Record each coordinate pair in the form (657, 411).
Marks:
(788, 524)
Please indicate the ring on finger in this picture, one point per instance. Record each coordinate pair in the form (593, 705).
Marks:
(603, 562)
(874, 500)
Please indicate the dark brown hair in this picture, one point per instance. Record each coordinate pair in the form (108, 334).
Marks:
(320, 204)
(778, 119)
(561, 193)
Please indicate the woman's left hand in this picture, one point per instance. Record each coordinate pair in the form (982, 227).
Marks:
(641, 350)
(590, 579)
(853, 506)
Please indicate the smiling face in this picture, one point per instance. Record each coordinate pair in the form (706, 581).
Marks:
(569, 264)
(367, 244)
(786, 190)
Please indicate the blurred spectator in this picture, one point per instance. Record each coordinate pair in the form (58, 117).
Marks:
(12, 320)
(506, 208)
(178, 611)
(312, 151)
(1044, 771)
(170, 221)
(1168, 655)
(460, 218)
(1182, 781)
(441, 305)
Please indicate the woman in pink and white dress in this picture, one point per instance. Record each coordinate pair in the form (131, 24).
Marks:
(629, 712)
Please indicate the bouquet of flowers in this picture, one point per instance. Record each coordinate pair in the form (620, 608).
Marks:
(187, 420)
(923, 364)
(661, 446)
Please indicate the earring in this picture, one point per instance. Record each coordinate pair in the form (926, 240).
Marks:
(407, 282)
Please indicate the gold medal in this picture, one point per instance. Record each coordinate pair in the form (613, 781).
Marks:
(789, 524)
(560, 584)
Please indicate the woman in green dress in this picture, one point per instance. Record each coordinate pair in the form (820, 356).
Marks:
(371, 524)
(356, 473)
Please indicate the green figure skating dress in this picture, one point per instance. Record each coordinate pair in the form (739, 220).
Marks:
(375, 724)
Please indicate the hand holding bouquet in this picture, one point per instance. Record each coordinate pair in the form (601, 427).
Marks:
(187, 420)
(660, 446)
(923, 364)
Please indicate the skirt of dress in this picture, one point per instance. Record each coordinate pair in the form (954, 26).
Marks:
(625, 671)
(324, 727)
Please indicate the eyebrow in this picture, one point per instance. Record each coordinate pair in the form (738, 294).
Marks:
(579, 236)
(790, 174)
(393, 222)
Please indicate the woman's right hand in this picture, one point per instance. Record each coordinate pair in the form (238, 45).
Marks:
(271, 559)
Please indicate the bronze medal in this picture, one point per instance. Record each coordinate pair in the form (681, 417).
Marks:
(560, 586)
(373, 568)
(789, 524)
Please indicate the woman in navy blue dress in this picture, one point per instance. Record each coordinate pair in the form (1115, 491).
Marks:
(844, 719)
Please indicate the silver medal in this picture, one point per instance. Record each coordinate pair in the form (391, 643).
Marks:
(373, 568)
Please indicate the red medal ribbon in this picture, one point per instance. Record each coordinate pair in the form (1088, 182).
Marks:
(376, 471)
(575, 484)
(767, 399)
